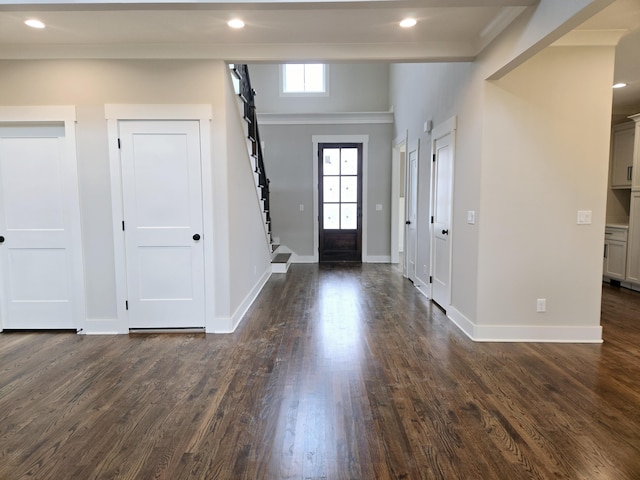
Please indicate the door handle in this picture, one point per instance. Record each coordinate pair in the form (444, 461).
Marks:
(629, 170)
(196, 237)
(1, 239)
(445, 232)
(408, 222)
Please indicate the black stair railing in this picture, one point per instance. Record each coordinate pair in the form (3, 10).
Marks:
(247, 94)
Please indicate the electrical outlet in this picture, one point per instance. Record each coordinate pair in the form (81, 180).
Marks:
(541, 305)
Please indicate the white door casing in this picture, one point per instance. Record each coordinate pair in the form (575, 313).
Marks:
(411, 232)
(162, 199)
(442, 210)
(41, 269)
(397, 206)
(163, 272)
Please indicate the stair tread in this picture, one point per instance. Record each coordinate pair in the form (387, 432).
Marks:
(281, 258)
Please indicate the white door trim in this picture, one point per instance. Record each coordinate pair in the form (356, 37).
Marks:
(316, 140)
(447, 127)
(398, 143)
(413, 146)
(201, 113)
(65, 114)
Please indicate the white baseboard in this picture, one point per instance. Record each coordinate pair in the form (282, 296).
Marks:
(377, 259)
(462, 322)
(295, 258)
(524, 333)
(229, 324)
(101, 326)
(423, 288)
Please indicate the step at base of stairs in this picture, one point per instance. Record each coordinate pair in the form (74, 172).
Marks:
(281, 262)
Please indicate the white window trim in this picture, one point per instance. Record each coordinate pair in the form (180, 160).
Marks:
(327, 76)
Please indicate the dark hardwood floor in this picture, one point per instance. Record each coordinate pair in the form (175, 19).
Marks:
(336, 372)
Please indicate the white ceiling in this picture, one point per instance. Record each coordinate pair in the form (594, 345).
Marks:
(354, 30)
(625, 15)
(290, 30)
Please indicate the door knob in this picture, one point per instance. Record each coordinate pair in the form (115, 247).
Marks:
(408, 222)
(196, 237)
(1, 239)
(445, 232)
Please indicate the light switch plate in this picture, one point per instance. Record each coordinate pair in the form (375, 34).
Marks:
(471, 217)
(584, 217)
(379, 207)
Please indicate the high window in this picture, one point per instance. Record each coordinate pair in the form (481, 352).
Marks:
(304, 78)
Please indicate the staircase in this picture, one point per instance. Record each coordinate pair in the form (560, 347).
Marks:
(280, 262)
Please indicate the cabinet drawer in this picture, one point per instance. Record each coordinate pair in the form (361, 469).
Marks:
(612, 233)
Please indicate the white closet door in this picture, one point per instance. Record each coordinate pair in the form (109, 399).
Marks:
(40, 255)
(162, 194)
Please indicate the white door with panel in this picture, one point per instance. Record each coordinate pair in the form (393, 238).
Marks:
(41, 271)
(441, 225)
(411, 233)
(162, 202)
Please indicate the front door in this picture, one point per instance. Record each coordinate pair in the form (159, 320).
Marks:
(340, 202)
(162, 199)
(440, 235)
(40, 250)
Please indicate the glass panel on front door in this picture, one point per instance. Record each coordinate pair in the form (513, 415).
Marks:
(340, 188)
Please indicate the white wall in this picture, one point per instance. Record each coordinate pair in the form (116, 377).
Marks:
(289, 158)
(248, 248)
(436, 92)
(353, 87)
(531, 150)
(89, 85)
(289, 164)
(545, 156)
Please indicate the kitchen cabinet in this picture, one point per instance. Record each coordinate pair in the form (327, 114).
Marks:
(622, 146)
(633, 247)
(615, 252)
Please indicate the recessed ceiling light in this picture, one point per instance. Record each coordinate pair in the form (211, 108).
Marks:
(235, 23)
(408, 22)
(620, 85)
(33, 23)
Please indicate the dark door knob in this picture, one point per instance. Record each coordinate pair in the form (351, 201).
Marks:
(445, 232)
(1, 239)
(196, 237)
(408, 222)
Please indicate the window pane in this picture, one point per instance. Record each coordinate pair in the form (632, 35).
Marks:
(349, 161)
(331, 189)
(349, 189)
(331, 219)
(331, 162)
(294, 78)
(314, 78)
(349, 220)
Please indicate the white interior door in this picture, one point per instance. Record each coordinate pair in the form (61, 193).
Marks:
(441, 231)
(411, 233)
(40, 250)
(162, 201)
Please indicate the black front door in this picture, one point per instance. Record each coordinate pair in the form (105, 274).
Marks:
(340, 199)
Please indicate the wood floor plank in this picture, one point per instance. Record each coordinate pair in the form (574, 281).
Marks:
(337, 372)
